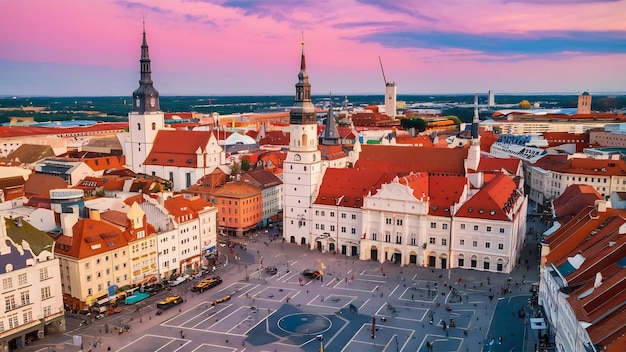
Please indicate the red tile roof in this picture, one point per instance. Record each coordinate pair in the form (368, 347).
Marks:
(391, 158)
(582, 166)
(493, 201)
(90, 237)
(178, 148)
(348, 187)
(573, 200)
(595, 236)
(19, 131)
(444, 192)
(510, 165)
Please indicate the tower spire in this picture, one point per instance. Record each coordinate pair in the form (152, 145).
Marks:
(303, 111)
(475, 120)
(331, 135)
(146, 97)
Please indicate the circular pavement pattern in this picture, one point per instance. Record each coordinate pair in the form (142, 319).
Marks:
(305, 324)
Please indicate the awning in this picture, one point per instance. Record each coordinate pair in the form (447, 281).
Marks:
(538, 324)
(147, 279)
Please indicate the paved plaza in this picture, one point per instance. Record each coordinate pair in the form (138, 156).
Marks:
(355, 306)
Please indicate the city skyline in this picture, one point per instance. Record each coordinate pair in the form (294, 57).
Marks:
(228, 47)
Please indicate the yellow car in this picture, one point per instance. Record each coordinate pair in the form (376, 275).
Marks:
(206, 284)
(169, 302)
(223, 299)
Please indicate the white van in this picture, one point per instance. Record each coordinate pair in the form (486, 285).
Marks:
(179, 280)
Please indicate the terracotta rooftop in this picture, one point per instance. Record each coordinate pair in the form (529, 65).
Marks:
(435, 161)
(90, 237)
(573, 200)
(582, 166)
(493, 201)
(178, 148)
(444, 192)
(348, 187)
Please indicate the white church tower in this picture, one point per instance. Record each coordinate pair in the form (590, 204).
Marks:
(473, 154)
(146, 118)
(303, 167)
(391, 91)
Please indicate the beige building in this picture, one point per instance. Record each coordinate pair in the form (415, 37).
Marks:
(29, 288)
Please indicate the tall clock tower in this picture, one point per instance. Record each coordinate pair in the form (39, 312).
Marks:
(146, 118)
(302, 169)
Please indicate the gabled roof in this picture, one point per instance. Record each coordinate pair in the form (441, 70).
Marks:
(582, 166)
(435, 161)
(178, 148)
(444, 192)
(420, 141)
(31, 153)
(492, 202)
(573, 200)
(90, 237)
(41, 184)
(418, 182)
(275, 138)
(262, 178)
(237, 189)
(184, 209)
(511, 165)
(348, 187)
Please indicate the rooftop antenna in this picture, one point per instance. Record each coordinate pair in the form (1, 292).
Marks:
(382, 69)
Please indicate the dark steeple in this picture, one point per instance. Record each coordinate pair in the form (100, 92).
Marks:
(146, 97)
(303, 111)
(331, 135)
(475, 120)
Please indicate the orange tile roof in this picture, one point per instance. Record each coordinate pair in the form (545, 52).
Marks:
(41, 184)
(275, 138)
(444, 192)
(418, 182)
(595, 236)
(435, 161)
(177, 148)
(19, 131)
(573, 200)
(511, 165)
(348, 187)
(490, 202)
(90, 237)
(582, 166)
(183, 208)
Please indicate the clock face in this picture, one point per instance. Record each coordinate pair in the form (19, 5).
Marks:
(296, 157)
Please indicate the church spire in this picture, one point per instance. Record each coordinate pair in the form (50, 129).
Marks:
(303, 111)
(146, 97)
(475, 120)
(331, 135)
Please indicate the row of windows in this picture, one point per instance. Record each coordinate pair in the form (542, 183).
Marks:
(244, 202)
(332, 214)
(22, 279)
(487, 228)
(474, 264)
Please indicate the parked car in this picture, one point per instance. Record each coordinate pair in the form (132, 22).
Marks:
(179, 280)
(206, 284)
(308, 272)
(169, 302)
(154, 288)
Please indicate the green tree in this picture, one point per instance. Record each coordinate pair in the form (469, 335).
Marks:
(417, 123)
(245, 165)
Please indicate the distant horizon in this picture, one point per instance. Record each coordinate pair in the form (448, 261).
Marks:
(335, 95)
(249, 48)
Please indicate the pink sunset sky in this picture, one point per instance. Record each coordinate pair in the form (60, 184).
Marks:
(252, 47)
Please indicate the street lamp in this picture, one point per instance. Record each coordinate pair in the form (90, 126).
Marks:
(320, 338)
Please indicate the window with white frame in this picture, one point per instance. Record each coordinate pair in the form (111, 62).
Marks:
(25, 298)
(433, 225)
(22, 279)
(488, 228)
(500, 246)
(7, 283)
(475, 227)
(474, 243)
(388, 221)
(462, 242)
(432, 240)
(13, 323)
(9, 303)
(444, 242)
(444, 226)
(387, 237)
(399, 222)
(46, 293)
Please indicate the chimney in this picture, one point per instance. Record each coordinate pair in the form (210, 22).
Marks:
(94, 214)
(68, 220)
(601, 205)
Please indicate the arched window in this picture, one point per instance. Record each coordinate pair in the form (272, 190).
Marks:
(154, 126)
(139, 127)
